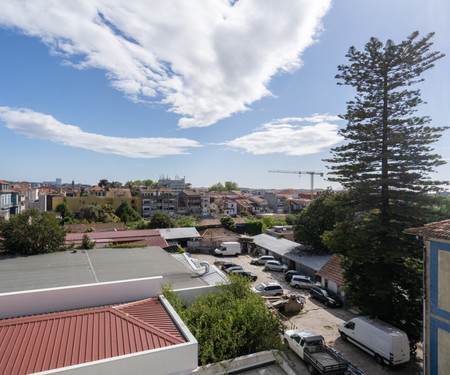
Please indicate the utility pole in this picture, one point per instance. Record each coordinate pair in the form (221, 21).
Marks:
(299, 173)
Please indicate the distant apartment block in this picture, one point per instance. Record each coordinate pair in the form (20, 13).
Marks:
(10, 201)
(177, 185)
(153, 200)
(190, 203)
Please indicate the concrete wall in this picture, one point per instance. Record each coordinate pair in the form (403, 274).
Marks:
(173, 359)
(188, 295)
(74, 297)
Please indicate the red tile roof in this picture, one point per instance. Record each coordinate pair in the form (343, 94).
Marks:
(440, 229)
(51, 341)
(332, 270)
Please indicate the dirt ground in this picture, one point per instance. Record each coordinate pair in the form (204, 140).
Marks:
(322, 320)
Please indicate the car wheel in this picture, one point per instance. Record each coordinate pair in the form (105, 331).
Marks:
(379, 360)
(296, 286)
(311, 369)
(286, 342)
(236, 255)
(326, 303)
(343, 336)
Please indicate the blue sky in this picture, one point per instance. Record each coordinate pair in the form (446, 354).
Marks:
(209, 90)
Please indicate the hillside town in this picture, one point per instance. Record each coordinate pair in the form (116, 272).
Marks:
(173, 197)
(206, 244)
(242, 187)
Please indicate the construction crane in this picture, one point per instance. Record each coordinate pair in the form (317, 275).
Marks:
(299, 173)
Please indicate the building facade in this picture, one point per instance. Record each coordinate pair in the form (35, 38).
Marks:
(436, 323)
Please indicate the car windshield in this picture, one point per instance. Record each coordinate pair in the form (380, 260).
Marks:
(259, 287)
(325, 293)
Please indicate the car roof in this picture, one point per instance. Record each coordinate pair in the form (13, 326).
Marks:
(270, 283)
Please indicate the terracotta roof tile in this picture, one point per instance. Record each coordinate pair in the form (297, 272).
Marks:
(332, 270)
(440, 229)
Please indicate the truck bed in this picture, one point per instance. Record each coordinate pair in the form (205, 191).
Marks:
(325, 359)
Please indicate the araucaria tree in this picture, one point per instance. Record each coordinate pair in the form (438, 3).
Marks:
(385, 165)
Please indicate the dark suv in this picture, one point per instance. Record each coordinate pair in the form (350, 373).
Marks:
(328, 298)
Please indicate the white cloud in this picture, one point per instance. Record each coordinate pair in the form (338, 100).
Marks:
(204, 59)
(46, 127)
(283, 136)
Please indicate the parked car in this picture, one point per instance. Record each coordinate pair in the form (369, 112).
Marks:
(386, 343)
(288, 275)
(268, 289)
(262, 259)
(234, 268)
(274, 265)
(227, 265)
(245, 273)
(326, 297)
(302, 282)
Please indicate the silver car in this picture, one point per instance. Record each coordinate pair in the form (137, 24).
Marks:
(302, 282)
(262, 259)
(268, 289)
(275, 265)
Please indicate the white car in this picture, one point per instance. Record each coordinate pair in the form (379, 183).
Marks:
(275, 265)
(268, 289)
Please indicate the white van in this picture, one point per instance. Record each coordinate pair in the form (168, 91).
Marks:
(388, 344)
(228, 248)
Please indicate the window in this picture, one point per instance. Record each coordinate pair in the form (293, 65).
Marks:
(350, 325)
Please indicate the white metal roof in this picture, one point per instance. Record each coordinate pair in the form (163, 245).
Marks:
(179, 233)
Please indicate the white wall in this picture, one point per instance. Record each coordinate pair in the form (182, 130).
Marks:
(77, 297)
(173, 359)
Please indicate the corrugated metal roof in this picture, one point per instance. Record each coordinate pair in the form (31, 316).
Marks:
(177, 233)
(51, 341)
(291, 250)
(279, 246)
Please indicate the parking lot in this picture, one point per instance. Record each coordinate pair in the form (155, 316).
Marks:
(321, 320)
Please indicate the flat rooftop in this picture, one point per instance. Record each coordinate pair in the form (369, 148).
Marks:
(66, 268)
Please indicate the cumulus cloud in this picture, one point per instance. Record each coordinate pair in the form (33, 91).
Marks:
(285, 136)
(46, 127)
(205, 60)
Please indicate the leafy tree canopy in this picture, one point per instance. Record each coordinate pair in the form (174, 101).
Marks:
(229, 323)
(385, 164)
(104, 183)
(228, 223)
(64, 209)
(254, 227)
(186, 222)
(32, 232)
(160, 220)
(320, 216)
(126, 213)
(94, 213)
(147, 182)
(229, 186)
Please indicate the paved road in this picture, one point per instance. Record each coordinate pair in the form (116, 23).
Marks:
(321, 320)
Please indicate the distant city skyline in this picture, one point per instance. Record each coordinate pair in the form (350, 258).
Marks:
(212, 91)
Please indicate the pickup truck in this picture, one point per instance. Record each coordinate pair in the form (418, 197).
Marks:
(312, 349)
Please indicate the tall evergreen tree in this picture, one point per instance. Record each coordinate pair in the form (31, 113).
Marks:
(385, 165)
